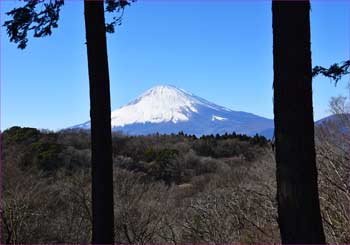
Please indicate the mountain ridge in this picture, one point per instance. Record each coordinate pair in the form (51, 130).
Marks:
(168, 109)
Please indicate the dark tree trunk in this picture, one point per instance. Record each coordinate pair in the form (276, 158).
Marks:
(100, 113)
(299, 215)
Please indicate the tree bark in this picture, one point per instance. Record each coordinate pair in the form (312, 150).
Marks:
(100, 113)
(299, 215)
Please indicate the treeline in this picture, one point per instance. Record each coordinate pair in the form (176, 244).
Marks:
(70, 149)
(167, 188)
(47, 151)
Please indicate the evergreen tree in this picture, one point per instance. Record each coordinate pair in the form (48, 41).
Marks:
(299, 215)
(334, 72)
(41, 22)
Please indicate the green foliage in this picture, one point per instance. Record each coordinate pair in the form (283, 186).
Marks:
(259, 140)
(164, 167)
(334, 72)
(29, 18)
(150, 155)
(229, 145)
(46, 155)
(167, 158)
(165, 155)
(35, 148)
(41, 17)
(119, 7)
(18, 135)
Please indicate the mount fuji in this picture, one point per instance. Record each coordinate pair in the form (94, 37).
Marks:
(167, 109)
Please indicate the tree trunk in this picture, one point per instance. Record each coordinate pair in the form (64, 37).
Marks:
(100, 113)
(299, 215)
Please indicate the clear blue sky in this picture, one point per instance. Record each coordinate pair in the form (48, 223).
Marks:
(221, 51)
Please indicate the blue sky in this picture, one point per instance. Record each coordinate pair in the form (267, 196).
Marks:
(221, 51)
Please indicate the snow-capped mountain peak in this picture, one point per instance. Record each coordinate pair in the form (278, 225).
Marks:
(163, 103)
(168, 109)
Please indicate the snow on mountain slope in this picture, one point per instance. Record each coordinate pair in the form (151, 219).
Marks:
(167, 109)
(159, 104)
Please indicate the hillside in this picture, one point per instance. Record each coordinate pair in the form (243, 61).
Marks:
(168, 188)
